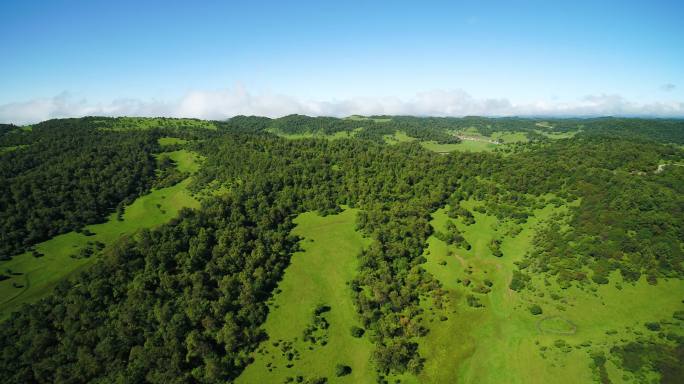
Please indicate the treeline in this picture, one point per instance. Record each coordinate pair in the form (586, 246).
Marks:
(441, 129)
(67, 175)
(661, 130)
(5, 128)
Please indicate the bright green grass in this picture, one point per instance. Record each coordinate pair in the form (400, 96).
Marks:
(164, 141)
(557, 325)
(398, 137)
(510, 137)
(40, 275)
(186, 161)
(317, 275)
(312, 135)
(465, 145)
(503, 341)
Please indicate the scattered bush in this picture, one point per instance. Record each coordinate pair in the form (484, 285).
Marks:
(357, 331)
(473, 301)
(653, 326)
(342, 370)
(679, 315)
(535, 310)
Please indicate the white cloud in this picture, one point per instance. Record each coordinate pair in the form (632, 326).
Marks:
(224, 103)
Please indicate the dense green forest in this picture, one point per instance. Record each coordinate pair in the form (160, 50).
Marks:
(185, 302)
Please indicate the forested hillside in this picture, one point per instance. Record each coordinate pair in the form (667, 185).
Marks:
(66, 175)
(561, 217)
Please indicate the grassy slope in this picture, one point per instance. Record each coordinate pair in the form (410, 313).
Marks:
(510, 137)
(39, 275)
(318, 275)
(186, 161)
(503, 342)
(311, 135)
(164, 141)
(465, 145)
(398, 137)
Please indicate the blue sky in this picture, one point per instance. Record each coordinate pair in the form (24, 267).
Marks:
(216, 59)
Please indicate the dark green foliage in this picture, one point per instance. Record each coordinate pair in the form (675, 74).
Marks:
(167, 173)
(653, 326)
(679, 315)
(184, 303)
(599, 360)
(317, 331)
(453, 236)
(245, 124)
(317, 380)
(342, 370)
(518, 281)
(495, 247)
(473, 301)
(357, 331)
(639, 357)
(535, 309)
(455, 211)
(629, 217)
(70, 174)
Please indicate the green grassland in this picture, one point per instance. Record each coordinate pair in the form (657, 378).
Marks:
(510, 137)
(166, 141)
(33, 277)
(314, 135)
(398, 137)
(465, 145)
(502, 341)
(186, 161)
(318, 275)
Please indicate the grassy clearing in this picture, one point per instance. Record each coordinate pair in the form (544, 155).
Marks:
(557, 325)
(510, 137)
(166, 141)
(186, 161)
(503, 341)
(398, 137)
(314, 135)
(465, 145)
(318, 275)
(33, 278)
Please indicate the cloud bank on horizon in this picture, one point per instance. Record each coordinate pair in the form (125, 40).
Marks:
(228, 102)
